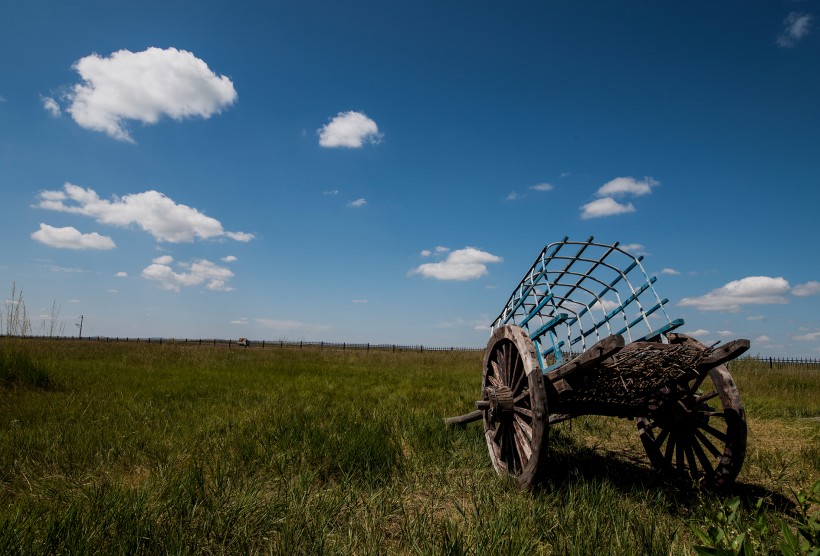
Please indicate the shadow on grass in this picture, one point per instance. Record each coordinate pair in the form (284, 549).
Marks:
(569, 463)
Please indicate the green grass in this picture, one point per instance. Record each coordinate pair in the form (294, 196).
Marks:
(128, 449)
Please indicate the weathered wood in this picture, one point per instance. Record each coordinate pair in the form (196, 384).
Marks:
(591, 357)
(724, 353)
(516, 422)
(462, 420)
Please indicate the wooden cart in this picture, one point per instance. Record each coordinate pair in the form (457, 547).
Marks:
(585, 333)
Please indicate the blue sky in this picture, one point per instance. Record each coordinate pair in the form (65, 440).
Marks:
(385, 172)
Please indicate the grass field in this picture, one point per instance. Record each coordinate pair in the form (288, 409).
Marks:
(118, 448)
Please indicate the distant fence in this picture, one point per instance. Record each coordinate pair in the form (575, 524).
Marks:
(258, 344)
(771, 362)
(782, 362)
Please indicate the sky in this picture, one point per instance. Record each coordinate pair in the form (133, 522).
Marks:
(386, 172)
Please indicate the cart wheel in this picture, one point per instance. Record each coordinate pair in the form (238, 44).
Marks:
(699, 429)
(515, 402)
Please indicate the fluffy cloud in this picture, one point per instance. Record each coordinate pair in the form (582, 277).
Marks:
(214, 276)
(670, 272)
(51, 107)
(807, 289)
(626, 186)
(152, 211)
(605, 207)
(753, 290)
(144, 87)
(71, 238)
(358, 203)
(795, 27)
(462, 264)
(350, 130)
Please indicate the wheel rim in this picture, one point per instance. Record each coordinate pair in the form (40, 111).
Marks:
(698, 429)
(515, 422)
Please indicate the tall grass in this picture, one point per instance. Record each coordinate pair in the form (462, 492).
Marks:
(193, 449)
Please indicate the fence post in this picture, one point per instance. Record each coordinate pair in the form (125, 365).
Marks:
(770, 363)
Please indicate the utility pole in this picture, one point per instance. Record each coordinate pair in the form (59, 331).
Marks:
(81, 327)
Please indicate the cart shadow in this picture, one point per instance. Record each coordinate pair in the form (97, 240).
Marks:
(628, 472)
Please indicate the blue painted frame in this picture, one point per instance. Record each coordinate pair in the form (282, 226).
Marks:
(558, 299)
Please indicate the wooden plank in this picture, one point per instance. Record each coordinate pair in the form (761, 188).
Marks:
(724, 353)
(591, 357)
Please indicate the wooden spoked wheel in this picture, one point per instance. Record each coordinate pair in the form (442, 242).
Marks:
(515, 406)
(698, 428)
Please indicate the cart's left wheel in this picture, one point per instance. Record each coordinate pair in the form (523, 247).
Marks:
(515, 418)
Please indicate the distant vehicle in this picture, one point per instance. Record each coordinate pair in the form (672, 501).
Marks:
(243, 342)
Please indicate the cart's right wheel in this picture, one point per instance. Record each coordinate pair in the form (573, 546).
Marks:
(698, 428)
(516, 418)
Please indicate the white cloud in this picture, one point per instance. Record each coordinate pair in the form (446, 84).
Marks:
(763, 339)
(605, 207)
(753, 290)
(426, 253)
(51, 107)
(360, 301)
(513, 196)
(201, 271)
(241, 320)
(725, 333)
(357, 203)
(152, 211)
(634, 248)
(796, 26)
(228, 259)
(627, 186)
(71, 238)
(755, 317)
(804, 290)
(670, 272)
(542, 187)
(121, 274)
(331, 192)
(144, 87)
(349, 130)
(700, 333)
(462, 264)
(163, 259)
(810, 337)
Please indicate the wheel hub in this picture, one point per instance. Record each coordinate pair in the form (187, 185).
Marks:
(502, 402)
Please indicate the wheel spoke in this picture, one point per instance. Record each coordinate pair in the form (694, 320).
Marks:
(679, 455)
(670, 448)
(662, 436)
(505, 365)
(495, 378)
(525, 428)
(695, 384)
(690, 457)
(716, 433)
(523, 411)
(707, 397)
(524, 449)
(704, 460)
(515, 372)
(706, 442)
